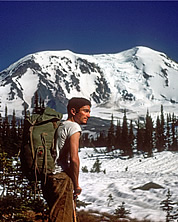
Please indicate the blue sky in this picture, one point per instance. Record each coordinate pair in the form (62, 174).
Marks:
(88, 27)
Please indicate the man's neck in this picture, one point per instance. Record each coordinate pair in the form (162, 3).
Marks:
(71, 119)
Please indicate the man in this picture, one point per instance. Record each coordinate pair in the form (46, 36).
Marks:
(63, 184)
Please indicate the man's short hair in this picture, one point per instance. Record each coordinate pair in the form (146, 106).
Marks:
(77, 103)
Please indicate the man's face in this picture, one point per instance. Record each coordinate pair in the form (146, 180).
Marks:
(83, 115)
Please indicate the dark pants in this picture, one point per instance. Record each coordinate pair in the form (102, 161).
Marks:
(58, 192)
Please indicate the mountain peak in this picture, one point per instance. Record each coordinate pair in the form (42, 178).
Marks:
(134, 79)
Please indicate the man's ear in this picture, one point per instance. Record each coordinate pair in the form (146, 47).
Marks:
(73, 111)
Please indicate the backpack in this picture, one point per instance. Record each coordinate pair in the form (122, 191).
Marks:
(37, 151)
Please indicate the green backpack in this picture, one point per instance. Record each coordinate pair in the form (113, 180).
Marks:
(37, 151)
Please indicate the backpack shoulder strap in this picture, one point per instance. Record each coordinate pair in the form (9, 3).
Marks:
(31, 138)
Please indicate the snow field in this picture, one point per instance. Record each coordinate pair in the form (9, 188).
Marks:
(123, 176)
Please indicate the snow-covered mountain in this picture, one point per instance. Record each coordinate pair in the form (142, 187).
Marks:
(135, 79)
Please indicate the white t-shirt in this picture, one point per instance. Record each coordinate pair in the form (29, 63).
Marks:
(64, 132)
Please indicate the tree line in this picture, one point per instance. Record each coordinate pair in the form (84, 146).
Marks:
(11, 128)
(10, 134)
(141, 136)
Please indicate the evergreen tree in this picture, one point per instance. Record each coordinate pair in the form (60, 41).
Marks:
(121, 212)
(20, 132)
(36, 104)
(86, 140)
(110, 199)
(111, 137)
(43, 105)
(131, 140)
(101, 140)
(96, 167)
(6, 121)
(13, 135)
(25, 111)
(162, 128)
(167, 205)
(174, 145)
(148, 137)
(6, 131)
(140, 136)
(159, 135)
(124, 135)
(118, 135)
(36, 101)
(40, 102)
(168, 134)
(13, 127)
(162, 117)
(159, 132)
(81, 142)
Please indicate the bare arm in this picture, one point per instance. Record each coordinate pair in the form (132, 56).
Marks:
(74, 161)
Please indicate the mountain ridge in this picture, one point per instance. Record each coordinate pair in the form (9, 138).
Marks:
(139, 77)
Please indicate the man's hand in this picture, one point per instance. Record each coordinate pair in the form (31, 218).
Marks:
(77, 191)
